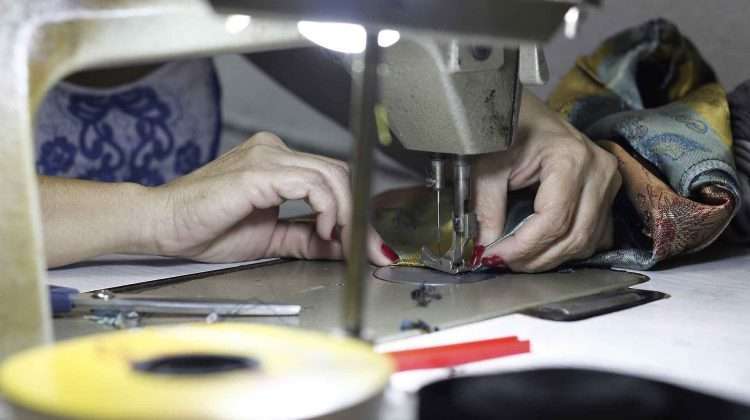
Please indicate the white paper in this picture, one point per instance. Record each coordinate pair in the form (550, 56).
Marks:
(112, 271)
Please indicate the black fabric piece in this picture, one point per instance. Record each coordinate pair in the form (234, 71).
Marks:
(739, 107)
(569, 394)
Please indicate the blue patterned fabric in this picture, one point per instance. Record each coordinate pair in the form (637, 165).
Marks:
(150, 131)
(648, 97)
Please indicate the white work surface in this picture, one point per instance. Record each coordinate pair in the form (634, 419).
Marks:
(699, 338)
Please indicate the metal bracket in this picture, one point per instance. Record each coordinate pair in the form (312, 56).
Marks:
(41, 41)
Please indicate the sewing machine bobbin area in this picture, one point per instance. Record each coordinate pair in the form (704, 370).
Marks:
(425, 276)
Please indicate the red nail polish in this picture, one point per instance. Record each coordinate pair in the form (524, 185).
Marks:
(494, 261)
(389, 253)
(476, 256)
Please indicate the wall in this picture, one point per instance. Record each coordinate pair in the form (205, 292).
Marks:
(719, 28)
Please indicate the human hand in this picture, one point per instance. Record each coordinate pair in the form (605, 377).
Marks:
(228, 209)
(578, 182)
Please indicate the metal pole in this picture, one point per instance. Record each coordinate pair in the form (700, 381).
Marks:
(364, 97)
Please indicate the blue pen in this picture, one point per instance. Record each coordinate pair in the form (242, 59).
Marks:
(64, 300)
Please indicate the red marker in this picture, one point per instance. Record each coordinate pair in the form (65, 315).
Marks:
(458, 354)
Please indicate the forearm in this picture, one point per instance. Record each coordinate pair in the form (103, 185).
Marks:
(83, 219)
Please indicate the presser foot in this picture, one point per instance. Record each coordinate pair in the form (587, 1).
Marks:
(444, 264)
(453, 262)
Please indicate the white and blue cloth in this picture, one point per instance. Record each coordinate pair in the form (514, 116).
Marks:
(162, 126)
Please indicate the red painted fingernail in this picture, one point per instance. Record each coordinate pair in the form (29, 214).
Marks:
(336, 233)
(494, 261)
(389, 252)
(476, 256)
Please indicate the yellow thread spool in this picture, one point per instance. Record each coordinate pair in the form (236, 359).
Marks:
(297, 374)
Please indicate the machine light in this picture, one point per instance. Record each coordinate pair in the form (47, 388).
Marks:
(572, 16)
(235, 24)
(348, 38)
(388, 37)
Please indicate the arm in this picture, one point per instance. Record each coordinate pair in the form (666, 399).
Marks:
(225, 211)
(83, 219)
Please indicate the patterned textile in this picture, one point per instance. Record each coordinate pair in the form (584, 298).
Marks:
(162, 126)
(739, 105)
(649, 98)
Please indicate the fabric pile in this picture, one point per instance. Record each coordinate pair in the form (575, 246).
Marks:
(648, 97)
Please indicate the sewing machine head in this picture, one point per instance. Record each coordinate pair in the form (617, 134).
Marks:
(456, 100)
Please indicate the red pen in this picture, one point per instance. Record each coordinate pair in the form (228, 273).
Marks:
(457, 354)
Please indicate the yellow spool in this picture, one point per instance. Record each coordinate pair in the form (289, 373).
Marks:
(299, 374)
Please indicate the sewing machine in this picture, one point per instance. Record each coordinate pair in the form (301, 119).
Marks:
(455, 101)
(452, 97)
(451, 71)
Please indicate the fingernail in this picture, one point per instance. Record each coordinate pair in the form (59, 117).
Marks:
(336, 233)
(389, 253)
(494, 261)
(476, 256)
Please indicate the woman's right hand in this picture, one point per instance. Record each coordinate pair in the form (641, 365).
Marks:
(228, 209)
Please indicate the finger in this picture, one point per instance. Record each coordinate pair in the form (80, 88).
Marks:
(490, 201)
(267, 139)
(376, 249)
(301, 183)
(337, 174)
(555, 208)
(589, 229)
(337, 179)
(580, 241)
(379, 252)
(241, 241)
(300, 240)
(343, 165)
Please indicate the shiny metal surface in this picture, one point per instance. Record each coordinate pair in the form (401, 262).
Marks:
(418, 276)
(437, 183)
(184, 306)
(443, 98)
(533, 68)
(477, 20)
(464, 223)
(318, 287)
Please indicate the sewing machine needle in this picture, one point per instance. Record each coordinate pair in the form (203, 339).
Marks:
(437, 183)
(439, 236)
